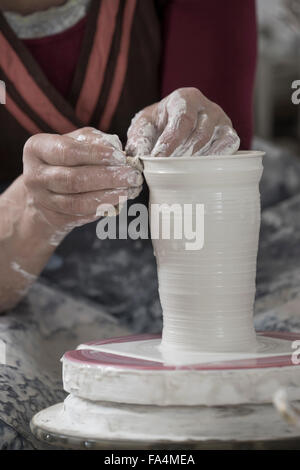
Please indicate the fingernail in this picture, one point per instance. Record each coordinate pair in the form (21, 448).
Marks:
(138, 178)
(134, 192)
(135, 162)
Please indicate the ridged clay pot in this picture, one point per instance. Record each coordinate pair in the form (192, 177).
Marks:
(207, 294)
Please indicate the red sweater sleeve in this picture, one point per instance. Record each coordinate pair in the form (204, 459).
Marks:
(211, 45)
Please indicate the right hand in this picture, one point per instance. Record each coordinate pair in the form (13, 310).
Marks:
(67, 177)
(184, 123)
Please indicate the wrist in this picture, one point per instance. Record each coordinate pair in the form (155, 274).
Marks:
(37, 225)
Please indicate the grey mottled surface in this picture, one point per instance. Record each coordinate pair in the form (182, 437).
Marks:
(36, 335)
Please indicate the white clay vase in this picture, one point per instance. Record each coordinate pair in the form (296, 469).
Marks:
(207, 294)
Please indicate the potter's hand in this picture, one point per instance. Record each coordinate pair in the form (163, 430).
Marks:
(185, 123)
(65, 180)
(68, 177)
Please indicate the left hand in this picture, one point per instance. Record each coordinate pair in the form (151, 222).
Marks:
(185, 123)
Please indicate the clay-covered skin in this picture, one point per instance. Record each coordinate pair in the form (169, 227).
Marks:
(185, 123)
(67, 177)
(65, 180)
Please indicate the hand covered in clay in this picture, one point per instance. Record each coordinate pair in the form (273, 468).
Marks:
(68, 177)
(185, 123)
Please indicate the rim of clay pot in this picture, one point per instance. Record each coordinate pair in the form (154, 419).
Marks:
(239, 154)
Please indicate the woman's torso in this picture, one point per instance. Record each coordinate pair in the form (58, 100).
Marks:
(98, 73)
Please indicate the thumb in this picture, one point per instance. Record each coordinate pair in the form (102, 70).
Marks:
(141, 136)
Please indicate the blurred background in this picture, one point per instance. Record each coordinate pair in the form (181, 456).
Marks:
(276, 118)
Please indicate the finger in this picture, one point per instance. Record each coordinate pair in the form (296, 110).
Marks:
(142, 135)
(88, 134)
(72, 180)
(84, 204)
(67, 151)
(199, 138)
(210, 118)
(174, 137)
(182, 120)
(225, 141)
(102, 142)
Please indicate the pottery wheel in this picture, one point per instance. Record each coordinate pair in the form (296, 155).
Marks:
(122, 394)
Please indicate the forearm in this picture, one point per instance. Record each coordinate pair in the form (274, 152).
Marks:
(27, 241)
